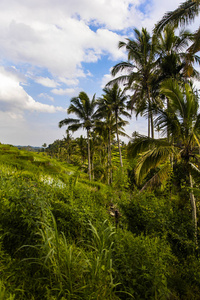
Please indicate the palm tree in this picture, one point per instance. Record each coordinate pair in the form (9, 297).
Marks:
(114, 102)
(106, 129)
(81, 142)
(139, 69)
(84, 109)
(171, 51)
(172, 56)
(182, 120)
(103, 128)
(184, 14)
(173, 60)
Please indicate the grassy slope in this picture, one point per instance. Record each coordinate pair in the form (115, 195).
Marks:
(34, 186)
(80, 256)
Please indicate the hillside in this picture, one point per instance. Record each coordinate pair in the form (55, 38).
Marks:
(64, 237)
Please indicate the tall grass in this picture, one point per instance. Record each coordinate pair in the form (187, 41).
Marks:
(4, 295)
(74, 273)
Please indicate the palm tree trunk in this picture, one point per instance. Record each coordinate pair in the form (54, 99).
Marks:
(150, 117)
(108, 169)
(89, 164)
(149, 124)
(152, 126)
(92, 168)
(168, 136)
(193, 204)
(120, 153)
(109, 157)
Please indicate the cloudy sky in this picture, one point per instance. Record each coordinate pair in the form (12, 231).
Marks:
(50, 50)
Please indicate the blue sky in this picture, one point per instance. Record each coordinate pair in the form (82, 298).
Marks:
(50, 50)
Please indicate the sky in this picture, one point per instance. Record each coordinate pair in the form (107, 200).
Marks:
(50, 50)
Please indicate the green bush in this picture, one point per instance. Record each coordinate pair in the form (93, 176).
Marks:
(142, 265)
(22, 207)
(71, 220)
(146, 214)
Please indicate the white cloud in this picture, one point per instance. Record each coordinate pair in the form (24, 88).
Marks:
(45, 81)
(63, 92)
(15, 100)
(52, 36)
(55, 35)
(69, 82)
(106, 78)
(46, 96)
(49, 41)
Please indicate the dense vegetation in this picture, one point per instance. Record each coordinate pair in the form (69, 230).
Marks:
(65, 237)
(93, 218)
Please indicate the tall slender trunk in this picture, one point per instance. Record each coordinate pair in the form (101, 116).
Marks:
(150, 117)
(193, 204)
(152, 126)
(168, 135)
(108, 169)
(89, 164)
(149, 124)
(120, 153)
(92, 166)
(109, 157)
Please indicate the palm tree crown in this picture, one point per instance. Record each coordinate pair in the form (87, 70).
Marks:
(139, 69)
(172, 56)
(84, 109)
(183, 15)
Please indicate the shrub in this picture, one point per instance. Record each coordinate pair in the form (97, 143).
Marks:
(145, 214)
(22, 207)
(142, 266)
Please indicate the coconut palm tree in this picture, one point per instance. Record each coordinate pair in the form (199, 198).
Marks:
(84, 109)
(139, 70)
(184, 14)
(182, 120)
(173, 59)
(171, 51)
(114, 102)
(106, 129)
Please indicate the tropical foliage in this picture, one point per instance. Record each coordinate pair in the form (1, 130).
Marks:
(93, 218)
(84, 109)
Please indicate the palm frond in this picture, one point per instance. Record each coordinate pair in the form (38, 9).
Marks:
(75, 127)
(75, 103)
(184, 14)
(121, 67)
(195, 47)
(162, 175)
(171, 89)
(197, 125)
(168, 122)
(194, 167)
(120, 80)
(122, 133)
(68, 121)
(144, 143)
(151, 159)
